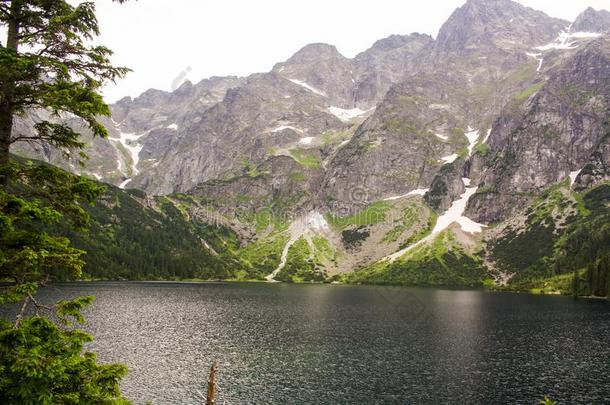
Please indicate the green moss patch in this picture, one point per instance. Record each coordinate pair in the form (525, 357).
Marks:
(307, 158)
(371, 215)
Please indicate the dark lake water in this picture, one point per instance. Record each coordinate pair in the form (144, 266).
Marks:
(334, 344)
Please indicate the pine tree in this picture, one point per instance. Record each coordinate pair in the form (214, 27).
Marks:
(575, 284)
(47, 63)
(608, 285)
(591, 269)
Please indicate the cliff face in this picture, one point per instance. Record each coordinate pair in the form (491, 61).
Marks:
(402, 145)
(549, 138)
(495, 26)
(592, 20)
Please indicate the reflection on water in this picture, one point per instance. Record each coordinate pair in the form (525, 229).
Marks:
(346, 344)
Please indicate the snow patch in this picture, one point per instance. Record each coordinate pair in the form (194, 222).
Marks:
(346, 115)
(119, 163)
(306, 141)
(173, 126)
(455, 213)
(419, 191)
(443, 137)
(538, 57)
(584, 34)
(473, 136)
(316, 222)
(450, 158)
(468, 225)
(306, 226)
(564, 40)
(486, 136)
(133, 147)
(123, 184)
(283, 127)
(130, 142)
(573, 176)
(308, 87)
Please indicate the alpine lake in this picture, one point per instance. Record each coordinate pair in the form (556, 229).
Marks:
(346, 344)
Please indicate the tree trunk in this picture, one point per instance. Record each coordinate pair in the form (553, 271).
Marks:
(7, 86)
(211, 398)
(6, 128)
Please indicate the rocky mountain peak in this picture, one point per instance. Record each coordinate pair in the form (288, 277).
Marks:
(485, 24)
(321, 69)
(315, 52)
(406, 46)
(592, 20)
(397, 41)
(125, 100)
(388, 61)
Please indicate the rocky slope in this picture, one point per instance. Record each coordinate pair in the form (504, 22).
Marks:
(592, 20)
(493, 27)
(551, 137)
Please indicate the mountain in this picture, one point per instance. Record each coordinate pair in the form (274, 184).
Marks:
(388, 61)
(495, 26)
(315, 92)
(197, 132)
(592, 20)
(139, 130)
(551, 137)
(419, 161)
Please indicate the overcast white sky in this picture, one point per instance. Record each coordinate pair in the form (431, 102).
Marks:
(160, 39)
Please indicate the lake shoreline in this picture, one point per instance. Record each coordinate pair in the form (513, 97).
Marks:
(433, 287)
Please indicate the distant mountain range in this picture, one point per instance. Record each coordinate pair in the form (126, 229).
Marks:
(419, 161)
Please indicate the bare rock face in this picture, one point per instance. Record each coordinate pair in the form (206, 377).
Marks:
(552, 135)
(398, 149)
(279, 185)
(592, 20)
(325, 70)
(390, 60)
(315, 92)
(463, 80)
(597, 169)
(261, 118)
(155, 108)
(494, 25)
(447, 186)
(99, 152)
